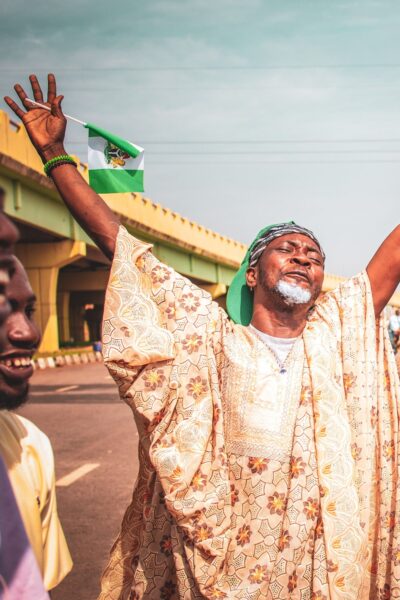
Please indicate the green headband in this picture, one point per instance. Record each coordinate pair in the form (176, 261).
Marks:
(239, 301)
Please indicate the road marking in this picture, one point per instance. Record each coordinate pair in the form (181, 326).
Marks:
(66, 389)
(76, 474)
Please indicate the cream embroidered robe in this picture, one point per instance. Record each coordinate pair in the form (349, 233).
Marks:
(249, 487)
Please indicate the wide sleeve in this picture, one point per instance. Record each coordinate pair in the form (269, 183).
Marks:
(149, 308)
(158, 344)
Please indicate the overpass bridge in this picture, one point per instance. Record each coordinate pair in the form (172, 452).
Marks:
(68, 273)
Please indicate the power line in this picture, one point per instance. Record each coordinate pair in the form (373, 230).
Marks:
(274, 162)
(270, 152)
(234, 142)
(212, 68)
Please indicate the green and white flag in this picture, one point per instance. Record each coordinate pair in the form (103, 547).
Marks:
(115, 165)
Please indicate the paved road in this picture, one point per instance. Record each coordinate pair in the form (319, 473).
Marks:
(79, 409)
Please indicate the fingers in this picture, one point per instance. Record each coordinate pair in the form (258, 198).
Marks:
(56, 109)
(22, 96)
(37, 90)
(18, 111)
(51, 88)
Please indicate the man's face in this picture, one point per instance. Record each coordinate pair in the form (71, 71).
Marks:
(292, 259)
(22, 340)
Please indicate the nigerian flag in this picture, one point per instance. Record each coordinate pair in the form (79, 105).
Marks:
(115, 165)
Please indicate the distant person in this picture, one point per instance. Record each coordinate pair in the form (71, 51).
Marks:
(269, 436)
(26, 451)
(394, 329)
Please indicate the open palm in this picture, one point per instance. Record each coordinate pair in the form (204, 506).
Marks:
(45, 128)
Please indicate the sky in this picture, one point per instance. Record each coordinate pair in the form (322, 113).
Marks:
(250, 113)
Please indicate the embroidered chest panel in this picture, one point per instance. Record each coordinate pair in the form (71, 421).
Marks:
(259, 403)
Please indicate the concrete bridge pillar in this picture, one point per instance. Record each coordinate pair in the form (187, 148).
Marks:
(63, 299)
(43, 262)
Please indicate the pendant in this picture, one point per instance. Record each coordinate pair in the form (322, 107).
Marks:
(282, 371)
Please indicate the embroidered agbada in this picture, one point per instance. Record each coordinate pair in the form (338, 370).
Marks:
(248, 488)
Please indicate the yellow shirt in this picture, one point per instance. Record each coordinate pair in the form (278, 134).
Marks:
(28, 456)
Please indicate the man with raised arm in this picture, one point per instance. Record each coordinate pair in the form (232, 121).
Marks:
(269, 440)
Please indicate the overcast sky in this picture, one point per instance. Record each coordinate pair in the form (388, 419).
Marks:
(250, 112)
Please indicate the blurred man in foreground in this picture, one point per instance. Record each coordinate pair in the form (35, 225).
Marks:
(269, 441)
(25, 449)
(20, 578)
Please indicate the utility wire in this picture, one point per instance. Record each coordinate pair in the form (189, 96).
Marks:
(293, 67)
(234, 142)
(271, 152)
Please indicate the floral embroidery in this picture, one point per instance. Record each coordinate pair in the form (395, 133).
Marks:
(159, 274)
(257, 465)
(297, 466)
(170, 310)
(197, 387)
(258, 574)
(277, 503)
(192, 342)
(199, 481)
(331, 566)
(166, 545)
(318, 596)
(202, 533)
(311, 508)
(284, 540)
(319, 529)
(243, 536)
(388, 450)
(176, 474)
(234, 495)
(190, 302)
(292, 582)
(158, 417)
(349, 380)
(154, 379)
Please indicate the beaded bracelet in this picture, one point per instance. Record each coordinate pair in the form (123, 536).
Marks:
(62, 159)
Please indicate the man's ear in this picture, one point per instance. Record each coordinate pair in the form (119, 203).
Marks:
(251, 277)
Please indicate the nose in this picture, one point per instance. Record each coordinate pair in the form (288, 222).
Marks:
(301, 259)
(22, 333)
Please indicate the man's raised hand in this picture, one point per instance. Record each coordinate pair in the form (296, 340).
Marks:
(45, 129)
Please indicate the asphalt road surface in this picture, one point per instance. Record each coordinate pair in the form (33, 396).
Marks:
(95, 446)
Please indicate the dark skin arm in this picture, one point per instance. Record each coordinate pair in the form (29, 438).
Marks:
(47, 131)
(384, 270)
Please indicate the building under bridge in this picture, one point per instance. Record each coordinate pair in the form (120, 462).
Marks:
(69, 274)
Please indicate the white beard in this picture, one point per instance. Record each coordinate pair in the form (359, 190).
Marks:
(292, 293)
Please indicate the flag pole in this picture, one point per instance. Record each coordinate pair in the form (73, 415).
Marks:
(49, 109)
